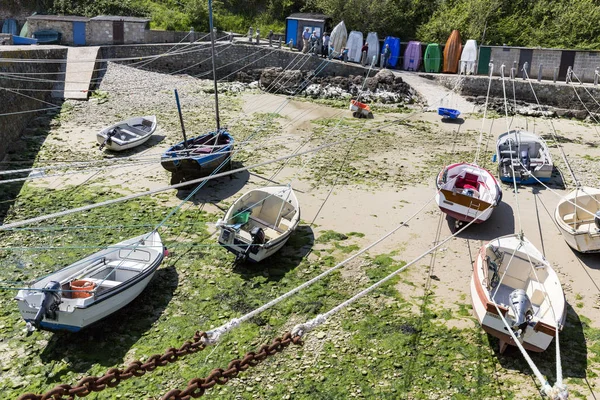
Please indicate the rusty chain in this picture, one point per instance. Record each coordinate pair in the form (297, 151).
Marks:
(197, 386)
(114, 376)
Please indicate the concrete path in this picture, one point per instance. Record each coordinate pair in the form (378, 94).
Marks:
(435, 94)
(79, 74)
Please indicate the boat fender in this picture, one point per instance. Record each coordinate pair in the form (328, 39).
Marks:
(522, 309)
(49, 305)
(597, 220)
(525, 160)
(495, 276)
(258, 238)
(499, 199)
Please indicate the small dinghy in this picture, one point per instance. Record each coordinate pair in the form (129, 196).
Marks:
(127, 134)
(467, 192)
(511, 274)
(526, 154)
(260, 222)
(93, 288)
(448, 113)
(468, 58)
(578, 218)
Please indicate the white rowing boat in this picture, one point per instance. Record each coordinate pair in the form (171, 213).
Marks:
(127, 134)
(578, 218)
(512, 277)
(92, 288)
(260, 222)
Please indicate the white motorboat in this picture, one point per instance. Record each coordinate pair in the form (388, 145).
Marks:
(127, 134)
(92, 288)
(578, 218)
(524, 153)
(467, 192)
(260, 222)
(512, 277)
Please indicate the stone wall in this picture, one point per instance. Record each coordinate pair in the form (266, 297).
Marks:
(230, 59)
(584, 66)
(11, 102)
(560, 95)
(99, 32)
(64, 27)
(135, 32)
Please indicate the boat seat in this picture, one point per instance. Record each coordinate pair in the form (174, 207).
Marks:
(127, 265)
(569, 218)
(103, 282)
(535, 291)
(271, 233)
(285, 224)
(266, 224)
(203, 150)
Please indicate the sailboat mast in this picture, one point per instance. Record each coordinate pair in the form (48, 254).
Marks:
(212, 48)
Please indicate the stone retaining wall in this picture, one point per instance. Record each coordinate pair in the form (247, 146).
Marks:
(195, 59)
(12, 125)
(558, 95)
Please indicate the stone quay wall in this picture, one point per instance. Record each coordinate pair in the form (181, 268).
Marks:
(560, 95)
(12, 102)
(231, 58)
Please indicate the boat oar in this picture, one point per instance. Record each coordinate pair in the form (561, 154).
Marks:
(180, 119)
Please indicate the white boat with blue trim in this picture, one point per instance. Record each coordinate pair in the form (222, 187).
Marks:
(92, 288)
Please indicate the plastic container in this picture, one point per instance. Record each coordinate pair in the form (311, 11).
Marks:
(82, 289)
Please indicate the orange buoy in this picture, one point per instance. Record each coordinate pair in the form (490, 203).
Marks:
(82, 289)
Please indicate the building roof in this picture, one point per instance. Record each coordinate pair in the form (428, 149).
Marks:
(73, 18)
(119, 18)
(309, 16)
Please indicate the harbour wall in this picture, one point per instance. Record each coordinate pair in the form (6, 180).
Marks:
(231, 58)
(15, 102)
(559, 95)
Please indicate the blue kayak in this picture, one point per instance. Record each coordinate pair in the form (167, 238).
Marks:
(24, 40)
(448, 113)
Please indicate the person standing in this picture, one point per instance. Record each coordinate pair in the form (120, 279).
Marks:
(305, 38)
(385, 56)
(257, 36)
(325, 47)
(250, 34)
(364, 51)
(313, 43)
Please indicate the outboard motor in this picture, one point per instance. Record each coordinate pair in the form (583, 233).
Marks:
(48, 307)
(597, 220)
(525, 160)
(258, 238)
(521, 307)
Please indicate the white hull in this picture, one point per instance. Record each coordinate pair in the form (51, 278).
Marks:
(273, 209)
(354, 45)
(119, 274)
(373, 41)
(338, 39)
(468, 58)
(467, 192)
(131, 133)
(574, 216)
(540, 283)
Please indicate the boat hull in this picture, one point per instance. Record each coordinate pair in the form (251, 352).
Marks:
(80, 318)
(238, 247)
(540, 329)
(129, 135)
(119, 273)
(575, 217)
(186, 166)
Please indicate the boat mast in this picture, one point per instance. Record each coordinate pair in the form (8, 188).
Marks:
(212, 49)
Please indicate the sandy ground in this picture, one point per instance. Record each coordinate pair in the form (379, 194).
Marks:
(375, 210)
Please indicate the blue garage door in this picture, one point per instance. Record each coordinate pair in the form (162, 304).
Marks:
(79, 33)
(291, 30)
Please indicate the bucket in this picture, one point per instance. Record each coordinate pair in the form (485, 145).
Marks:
(82, 289)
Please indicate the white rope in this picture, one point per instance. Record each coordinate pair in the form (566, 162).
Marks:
(510, 148)
(215, 334)
(301, 329)
(554, 134)
(485, 108)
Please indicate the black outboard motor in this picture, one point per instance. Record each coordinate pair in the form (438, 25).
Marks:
(522, 309)
(597, 220)
(525, 160)
(49, 305)
(109, 136)
(258, 238)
